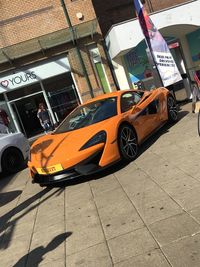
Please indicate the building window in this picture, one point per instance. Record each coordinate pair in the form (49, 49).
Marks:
(99, 68)
(62, 95)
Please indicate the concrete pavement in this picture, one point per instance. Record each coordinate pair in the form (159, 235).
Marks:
(144, 214)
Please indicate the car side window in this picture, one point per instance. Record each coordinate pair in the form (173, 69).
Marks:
(128, 100)
(152, 108)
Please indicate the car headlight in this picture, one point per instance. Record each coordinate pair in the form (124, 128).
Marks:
(98, 138)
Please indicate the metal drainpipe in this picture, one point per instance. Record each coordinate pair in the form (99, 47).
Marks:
(150, 6)
(76, 46)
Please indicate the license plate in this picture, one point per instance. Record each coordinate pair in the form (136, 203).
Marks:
(50, 170)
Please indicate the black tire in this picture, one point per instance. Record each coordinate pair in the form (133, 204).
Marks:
(172, 109)
(127, 142)
(198, 123)
(12, 160)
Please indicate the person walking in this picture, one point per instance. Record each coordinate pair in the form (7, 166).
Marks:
(43, 116)
(195, 95)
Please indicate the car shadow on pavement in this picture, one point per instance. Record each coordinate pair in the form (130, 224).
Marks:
(35, 257)
(6, 179)
(6, 197)
(7, 224)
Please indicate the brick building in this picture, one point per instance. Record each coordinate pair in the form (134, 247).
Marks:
(112, 12)
(42, 59)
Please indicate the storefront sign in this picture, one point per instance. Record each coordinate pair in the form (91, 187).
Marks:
(34, 74)
(19, 79)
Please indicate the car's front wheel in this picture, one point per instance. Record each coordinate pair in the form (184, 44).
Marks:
(172, 109)
(12, 160)
(127, 141)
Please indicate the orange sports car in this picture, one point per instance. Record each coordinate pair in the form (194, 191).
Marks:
(99, 133)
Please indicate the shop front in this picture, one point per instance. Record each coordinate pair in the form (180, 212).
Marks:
(139, 69)
(50, 83)
(129, 53)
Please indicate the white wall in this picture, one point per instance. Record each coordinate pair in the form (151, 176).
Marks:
(127, 35)
(121, 74)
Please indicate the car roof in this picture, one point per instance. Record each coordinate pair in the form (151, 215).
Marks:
(108, 95)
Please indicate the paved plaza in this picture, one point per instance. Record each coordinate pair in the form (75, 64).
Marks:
(144, 214)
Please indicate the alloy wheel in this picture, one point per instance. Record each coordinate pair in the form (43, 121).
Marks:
(128, 143)
(172, 109)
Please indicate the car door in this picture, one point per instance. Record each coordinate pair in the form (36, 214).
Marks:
(145, 113)
(146, 116)
(137, 116)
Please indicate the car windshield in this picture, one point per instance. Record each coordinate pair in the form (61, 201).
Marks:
(89, 114)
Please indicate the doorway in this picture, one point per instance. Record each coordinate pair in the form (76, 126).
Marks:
(26, 112)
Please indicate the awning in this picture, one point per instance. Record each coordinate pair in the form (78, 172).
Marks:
(10, 53)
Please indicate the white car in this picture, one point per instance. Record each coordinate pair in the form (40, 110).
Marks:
(14, 151)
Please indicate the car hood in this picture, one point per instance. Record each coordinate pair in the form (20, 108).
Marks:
(57, 148)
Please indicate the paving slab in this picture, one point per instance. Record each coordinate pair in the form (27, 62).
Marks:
(84, 238)
(166, 173)
(114, 197)
(44, 222)
(86, 208)
(195, 213)
(119, 221)
(131, 244)
(158, 210)
(153, 258)
(78, 194)
(188, 199)
(184, 253)
(82, 218)
(95, 256)
(104, 184)
(143, 198)
(174, 228)
(15, 250)
(180, 184)
(117, 214)
(17, 229)
(135, 182)
(58, 263)
(47, 246)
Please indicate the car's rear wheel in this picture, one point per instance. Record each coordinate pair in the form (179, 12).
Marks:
(172, 109)
(127, 141)
(12, 160)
